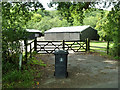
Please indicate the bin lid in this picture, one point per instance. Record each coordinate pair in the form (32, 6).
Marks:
(61, 52)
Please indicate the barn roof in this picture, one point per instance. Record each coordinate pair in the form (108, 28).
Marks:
(33, 30)
(68, 29)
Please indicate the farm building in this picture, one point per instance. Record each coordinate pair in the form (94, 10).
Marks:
(33, 33)
(71, 33)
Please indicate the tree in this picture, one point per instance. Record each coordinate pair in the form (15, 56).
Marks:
(43, 12)
(109, 27)
(72, 12)
(15, 15)
(47, 22)
(36, 17)
(93, 16)
(114, 27)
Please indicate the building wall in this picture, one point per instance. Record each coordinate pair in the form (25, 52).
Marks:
(89, 33)
(32, 35)
(62, 36)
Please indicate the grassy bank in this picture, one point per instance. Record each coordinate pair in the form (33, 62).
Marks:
(14, 78)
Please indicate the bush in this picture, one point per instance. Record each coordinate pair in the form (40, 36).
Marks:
(6, 67)
(18, 79)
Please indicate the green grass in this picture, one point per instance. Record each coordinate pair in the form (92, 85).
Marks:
(14, 78)
(93, 43)
(96, 46)
(18, 79)
(76, 46)
(100, 44)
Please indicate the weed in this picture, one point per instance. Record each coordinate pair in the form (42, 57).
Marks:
(36, 62)
(17, 78)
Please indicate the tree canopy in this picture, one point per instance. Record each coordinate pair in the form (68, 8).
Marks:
(72, 12)
(15, 15)
(109, 28)
(48, 21)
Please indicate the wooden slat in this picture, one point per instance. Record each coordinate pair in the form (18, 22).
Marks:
(98, 47)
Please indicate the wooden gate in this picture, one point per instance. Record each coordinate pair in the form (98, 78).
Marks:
(49, 47)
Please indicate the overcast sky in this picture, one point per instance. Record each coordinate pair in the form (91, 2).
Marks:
(44, 3)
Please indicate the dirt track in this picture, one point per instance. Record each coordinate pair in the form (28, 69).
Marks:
(84, 71)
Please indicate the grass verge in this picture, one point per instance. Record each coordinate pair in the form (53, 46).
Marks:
(14, 78)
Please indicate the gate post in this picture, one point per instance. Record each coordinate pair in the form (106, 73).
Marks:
(107, 46)
(30, 50)
(87, 44)
(63, 44)
(35, 44)
(25, 43)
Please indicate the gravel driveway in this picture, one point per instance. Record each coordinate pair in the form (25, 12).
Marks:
(84, 71)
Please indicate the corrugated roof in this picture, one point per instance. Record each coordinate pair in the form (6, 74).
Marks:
(68, 29)
(33, 30)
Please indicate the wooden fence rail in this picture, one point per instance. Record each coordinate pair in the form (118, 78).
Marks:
(74, 45)
(26, 44)
(65, 45)
(106, 48)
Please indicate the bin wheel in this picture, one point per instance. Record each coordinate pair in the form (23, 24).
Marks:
(54, 73)
(67, 74)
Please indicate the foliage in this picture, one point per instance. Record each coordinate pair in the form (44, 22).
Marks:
(72, 12)
(43, 12)
(117, 57)
(47, 22)
(6, 66)
(36, 18)
(100, 27)
(109, 27)
(14, 78)
(36, 62)
(17, 76)
(15, 15)
(92, 16)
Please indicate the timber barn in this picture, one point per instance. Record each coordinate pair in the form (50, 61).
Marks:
(71, 33)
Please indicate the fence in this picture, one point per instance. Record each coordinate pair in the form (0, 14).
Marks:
(31, 49)
(100, 47)
(49, 47)
(46, 46)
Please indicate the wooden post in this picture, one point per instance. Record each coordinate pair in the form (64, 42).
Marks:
(108, 46)
(30, 51)
(25, 43)
(87, 41)
(35, 44)
(63, 44)
(88, 44)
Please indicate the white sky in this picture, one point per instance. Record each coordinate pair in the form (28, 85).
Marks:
(44, 3)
